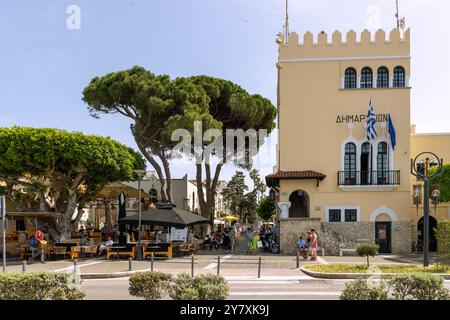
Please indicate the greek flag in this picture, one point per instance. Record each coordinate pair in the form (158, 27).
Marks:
(371, 120)
(391, 130)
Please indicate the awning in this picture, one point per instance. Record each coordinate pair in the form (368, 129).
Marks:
(273, 180)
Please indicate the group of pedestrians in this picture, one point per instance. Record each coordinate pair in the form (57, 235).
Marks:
(309, 247)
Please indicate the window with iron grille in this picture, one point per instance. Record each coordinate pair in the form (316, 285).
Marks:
(350, 78)
(366, 78)
(351, 215)
(383, 78)
(334, 215)
(399, 77)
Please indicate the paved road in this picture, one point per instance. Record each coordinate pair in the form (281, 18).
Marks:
(245, 289)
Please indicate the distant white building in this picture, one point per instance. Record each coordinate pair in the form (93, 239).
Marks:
(184, 196)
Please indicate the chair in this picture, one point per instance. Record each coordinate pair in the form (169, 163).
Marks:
(185, 248)
(75, 252)
(57, 251)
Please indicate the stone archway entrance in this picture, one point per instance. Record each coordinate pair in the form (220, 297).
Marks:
(299, 200)
(432, 244)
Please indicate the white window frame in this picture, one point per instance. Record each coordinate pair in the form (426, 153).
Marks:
(343, 208)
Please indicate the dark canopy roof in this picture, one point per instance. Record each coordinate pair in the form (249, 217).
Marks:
(273, 180)
(166, 217)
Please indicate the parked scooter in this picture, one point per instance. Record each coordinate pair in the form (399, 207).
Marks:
(270, 243)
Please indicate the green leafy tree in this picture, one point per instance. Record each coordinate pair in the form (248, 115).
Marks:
(442, 182)
(367, 250)
(156, 105)
(238, 200)
(266, 208)
(443, 238)
(62, 171)
(233, 108)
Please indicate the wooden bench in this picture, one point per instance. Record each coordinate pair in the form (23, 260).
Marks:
(341, 251)
(164, 249)
(126, 250)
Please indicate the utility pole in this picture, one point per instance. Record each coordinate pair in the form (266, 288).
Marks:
(286, 24)
(3, 215)
(396, 15)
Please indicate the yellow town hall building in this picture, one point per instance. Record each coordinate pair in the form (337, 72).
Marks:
(329, 176)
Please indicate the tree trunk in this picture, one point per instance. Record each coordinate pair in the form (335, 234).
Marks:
(158, 170)
(168, 178)
(200, 194)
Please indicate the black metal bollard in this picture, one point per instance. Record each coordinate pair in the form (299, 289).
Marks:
(192, 266)
(130, 264)
(152, 259)
(298, 260)
(75, 266)
(218, 265)
(259, 267)
(24, 266)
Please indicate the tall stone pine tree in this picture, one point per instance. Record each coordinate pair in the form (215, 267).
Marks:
(158, 105)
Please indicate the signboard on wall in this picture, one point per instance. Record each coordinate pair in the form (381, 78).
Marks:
(178, 234)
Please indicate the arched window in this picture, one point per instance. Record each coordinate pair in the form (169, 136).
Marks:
(382, 163)
(350, 164)
(399, 77)
(350, 78)
(366, 156)
(366, 78)
(383, 78)
(299, 204)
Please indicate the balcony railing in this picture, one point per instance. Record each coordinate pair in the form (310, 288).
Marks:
(368, 178)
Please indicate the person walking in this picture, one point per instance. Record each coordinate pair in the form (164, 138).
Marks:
(314, 245)
(255, 240)
(248, 237)
(232, 239)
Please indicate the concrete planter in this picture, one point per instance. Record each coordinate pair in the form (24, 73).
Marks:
(326, 275)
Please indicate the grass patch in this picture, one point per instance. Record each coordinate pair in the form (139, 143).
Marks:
(381, 268)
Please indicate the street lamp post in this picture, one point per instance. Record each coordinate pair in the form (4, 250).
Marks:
(140, 175)
(421, 172)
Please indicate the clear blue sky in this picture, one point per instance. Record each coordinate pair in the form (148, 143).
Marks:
(45, 66)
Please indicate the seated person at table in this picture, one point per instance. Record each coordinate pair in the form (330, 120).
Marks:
(85, 241)
(108, 243)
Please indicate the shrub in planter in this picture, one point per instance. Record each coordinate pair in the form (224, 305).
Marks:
(419, 286)
(211, 287)
(367, 250)
(40, 286)
(201, 287)
(149, 285)
(183, 288)
(362, 289)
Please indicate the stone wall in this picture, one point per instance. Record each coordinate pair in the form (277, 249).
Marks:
(291, 229)
(401, 237)
(336, 235)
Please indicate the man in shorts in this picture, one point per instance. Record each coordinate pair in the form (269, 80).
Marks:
(314, 245)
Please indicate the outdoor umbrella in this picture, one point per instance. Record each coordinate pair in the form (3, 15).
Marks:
(166, 217)
(230, 218)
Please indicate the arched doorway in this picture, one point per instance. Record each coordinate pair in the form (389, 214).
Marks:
(299, 200)
(432, 244)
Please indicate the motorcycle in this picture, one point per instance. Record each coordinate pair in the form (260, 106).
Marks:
(269, 243)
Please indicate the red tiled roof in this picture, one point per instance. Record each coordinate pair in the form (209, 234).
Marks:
(308, 174)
